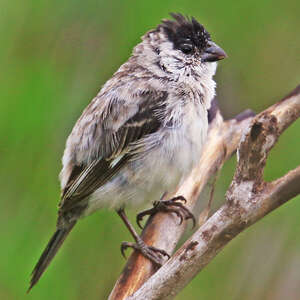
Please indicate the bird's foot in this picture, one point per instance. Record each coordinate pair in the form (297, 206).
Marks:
(174, 205)
(152, 253)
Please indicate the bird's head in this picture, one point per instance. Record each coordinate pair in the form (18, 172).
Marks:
(181, 47)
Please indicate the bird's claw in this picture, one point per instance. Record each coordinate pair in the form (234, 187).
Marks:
(150, 252)
(173, 205)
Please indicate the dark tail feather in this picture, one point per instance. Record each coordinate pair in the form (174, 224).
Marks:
(48, 254)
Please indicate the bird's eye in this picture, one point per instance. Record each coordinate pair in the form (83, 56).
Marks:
(186, 48)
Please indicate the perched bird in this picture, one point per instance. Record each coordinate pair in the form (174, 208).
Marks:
(141, 134)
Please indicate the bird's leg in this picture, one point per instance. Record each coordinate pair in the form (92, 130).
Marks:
(174, 205)
(152, 253)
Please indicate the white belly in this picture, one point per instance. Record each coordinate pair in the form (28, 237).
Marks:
(160, 170)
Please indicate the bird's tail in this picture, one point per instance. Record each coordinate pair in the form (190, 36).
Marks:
(54, 244)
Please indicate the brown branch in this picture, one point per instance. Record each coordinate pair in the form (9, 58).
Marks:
(163, 230)
(248, 199)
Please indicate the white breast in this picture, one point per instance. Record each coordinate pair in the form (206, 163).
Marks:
(169, 156)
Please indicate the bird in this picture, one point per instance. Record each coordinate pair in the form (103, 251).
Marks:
(142, 133)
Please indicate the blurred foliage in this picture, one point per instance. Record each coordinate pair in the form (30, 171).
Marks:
(54, 57)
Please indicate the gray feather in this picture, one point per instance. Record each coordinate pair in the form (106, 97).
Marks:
(122, 143)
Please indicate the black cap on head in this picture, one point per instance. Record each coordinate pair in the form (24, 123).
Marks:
(184, 30)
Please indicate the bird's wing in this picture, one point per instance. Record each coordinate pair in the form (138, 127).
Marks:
(115, 149)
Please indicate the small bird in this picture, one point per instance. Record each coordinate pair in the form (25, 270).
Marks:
(141, 135)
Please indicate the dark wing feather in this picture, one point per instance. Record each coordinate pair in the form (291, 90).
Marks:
(91, 178)
(98, 172)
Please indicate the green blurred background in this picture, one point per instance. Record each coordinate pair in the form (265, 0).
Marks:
(54, 57)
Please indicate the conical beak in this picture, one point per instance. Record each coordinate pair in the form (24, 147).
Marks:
(213, 53)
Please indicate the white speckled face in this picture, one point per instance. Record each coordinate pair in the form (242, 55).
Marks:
(182, 65)
(158, 53)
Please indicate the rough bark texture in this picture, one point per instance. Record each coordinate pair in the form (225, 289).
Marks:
(248, 199)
